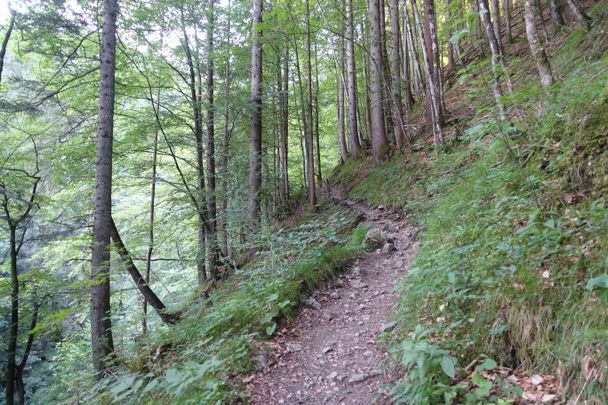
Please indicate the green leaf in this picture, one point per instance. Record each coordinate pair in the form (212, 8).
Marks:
(447, 365)
(150, 386)
(270, 329)
(599, 282)
(484, 385)
(488, 364)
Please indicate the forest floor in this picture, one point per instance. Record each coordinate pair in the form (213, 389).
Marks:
(329, 353)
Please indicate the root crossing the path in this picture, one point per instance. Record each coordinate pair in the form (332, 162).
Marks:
(329, 353)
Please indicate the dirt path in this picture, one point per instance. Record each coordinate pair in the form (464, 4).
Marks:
(329, 354)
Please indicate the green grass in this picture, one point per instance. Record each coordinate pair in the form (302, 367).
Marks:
(513, 262)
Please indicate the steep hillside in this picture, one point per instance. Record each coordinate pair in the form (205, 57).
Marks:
(512, 273)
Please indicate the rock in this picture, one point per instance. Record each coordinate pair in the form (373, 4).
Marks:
(294, 347)
(260, 362)
(328, 316)
(368, 353)
(357, 378)
(374, 238)
(388, 327)
(358, 284)
(327, 349)
(335, 295)
(339, 282)
(312, 303)
(536, 379)
(388, 248)
(390, 228)
(332, 375)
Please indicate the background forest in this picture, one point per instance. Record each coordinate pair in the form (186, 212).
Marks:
(168, 172)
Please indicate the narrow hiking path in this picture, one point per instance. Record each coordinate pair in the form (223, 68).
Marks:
(328, 354)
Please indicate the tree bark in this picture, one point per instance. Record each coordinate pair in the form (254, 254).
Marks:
(485, 19)
(141, 284)
(407, 77)
(7, 37)
(310, 164)
(351, 74)
(212, 243)
(496, 25)
(579, 13)
(538, 52)
(398, 111)
(341, 92)
(151, 226)
(13, 329)
(378, 132)
(20, 384)
(507, 6)
(255, 142)
(557, 14)
(101, 323)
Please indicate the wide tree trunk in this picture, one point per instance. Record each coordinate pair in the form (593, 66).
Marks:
(398, 110)
(255, 139)
(378, 133)
(496, 25)
(351, 74)
(538, 52)
(101, 323)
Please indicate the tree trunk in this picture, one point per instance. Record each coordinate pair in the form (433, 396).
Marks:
(151, 227)
(13, 329)
(496, 25)
(212, 245)
(485, 19)
(557, 14)
(407, 77)
(341, 92)
(310, 164)
(101, 323)
(351, 73)
(507, 6)
(398, 110)
(255, 142)
(378, 133)
(285, 129)
(538, 52)
(20, 384)
(579, 13)
(7, 37)
(139, 281)
(316, 99)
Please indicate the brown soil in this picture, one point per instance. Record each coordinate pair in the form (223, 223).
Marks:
(329, 353)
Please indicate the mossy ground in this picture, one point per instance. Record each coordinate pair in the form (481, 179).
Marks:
(513, 261)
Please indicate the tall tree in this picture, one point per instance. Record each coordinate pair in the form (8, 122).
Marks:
(212, 241)
(341, 90)
(309, 141)
(351, 74)
(396, 75)
(101, 323)
(7, 37)
(378, 132)
(255, 140)
(485, 19)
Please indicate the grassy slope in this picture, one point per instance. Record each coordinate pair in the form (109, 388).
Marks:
(513, 261)
(196, 361)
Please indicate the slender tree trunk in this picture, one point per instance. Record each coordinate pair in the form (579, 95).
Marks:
(579, 13)
(378, 133)
(212, 242)
(543, 25)
(407, 77)
(557, 14)
(496, 25)
(285, 128)
(139, 281)
(538, 52)
(151, 228)
(223, 217)
(351, 74)
(398, 110)
(485, 18)
(310, 164)
(317, 142)
(20, 384)
(432, 85)
(451, 62)
(7, 37)
(507, 6)
(341, 92)
(13, 329)
(101, 323)
(255, 143)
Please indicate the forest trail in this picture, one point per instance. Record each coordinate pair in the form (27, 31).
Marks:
(328, 354)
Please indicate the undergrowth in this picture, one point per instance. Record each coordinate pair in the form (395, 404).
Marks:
(198, 359)
(512, 268)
